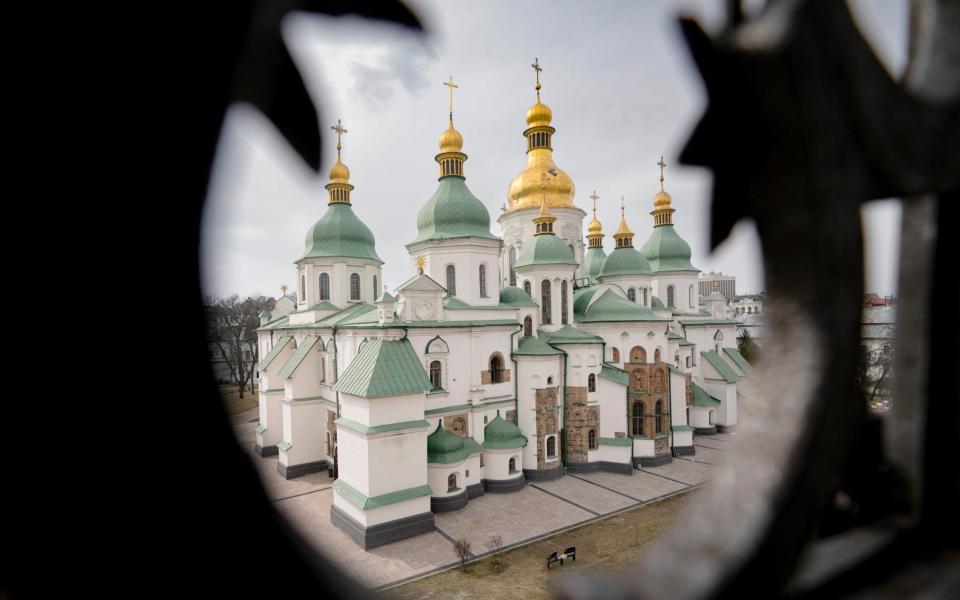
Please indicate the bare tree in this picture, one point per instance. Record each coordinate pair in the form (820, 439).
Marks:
(495, 547)
(231, 326)
(462, 547)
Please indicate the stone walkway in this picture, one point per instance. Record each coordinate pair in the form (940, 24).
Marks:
(539, 510)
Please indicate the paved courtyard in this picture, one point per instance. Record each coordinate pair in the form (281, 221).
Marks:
(538, 510)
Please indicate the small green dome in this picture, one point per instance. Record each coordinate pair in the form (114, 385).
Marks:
(625, 261)
(442, 442)
(453, 212)
(515, 296)
(667, 251)
(340, 233)
(545, 249)
(501, 434)
(656, 303)
(594, 259)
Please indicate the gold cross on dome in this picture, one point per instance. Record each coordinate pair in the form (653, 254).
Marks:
(662, 165)
(283, 289)
(450, 84)
(595, 197)
(421, 262)
(340, 131)
(536, 67)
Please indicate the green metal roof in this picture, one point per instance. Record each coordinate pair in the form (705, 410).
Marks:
(667, 251)
(275, 324)
(384, 368)
(274, 352)
(324, 305)
(385, 296)
(702, 398)
(614, 374)
(694, 322)
(514, 296)
(545, 249)
(625, 261)
(611, 306)
(501, 434)
(356, 497)
(445, 447)
(454, 303)
(656, 303)
(569, 334)
(340, 233)
(531, 346)
(593, 261)
(453, 212)
(740, 361)
(717, 362)
(305, 346)
(366, 429)
(615, 441)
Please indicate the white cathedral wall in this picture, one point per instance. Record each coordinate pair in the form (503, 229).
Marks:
(681, 280)
(613, 408)
(610, 453)
(384, 514)
(533, 372)
(700, 416)
(397, 461)
(678, 399)
(516, 228)
(304, 426)
(638, 283)
(353, 459)
(643, 447)
(305, 380)
(466, 255)
(718, 389)
(582, 360)
(496, 463)
(536, 274)
(339, 270)
(271, 418)
(638, 333)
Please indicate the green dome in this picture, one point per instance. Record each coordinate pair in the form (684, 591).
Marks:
(500, 434)
(453, 212)
(666, 251)
(545, 249)
(441, 443)
(657, 303)
(515, 296)
(340, 233)
(594, 259)
(625, 261)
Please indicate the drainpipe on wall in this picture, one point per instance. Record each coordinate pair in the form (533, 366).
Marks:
(336, 367)
(563, 413)
(516, 377)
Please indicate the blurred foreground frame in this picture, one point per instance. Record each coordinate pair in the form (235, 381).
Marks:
(803, 126)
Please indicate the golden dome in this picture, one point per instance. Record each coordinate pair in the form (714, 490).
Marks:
(661, 200)
(525, 190)
(594, 228)
(539, 115)
(339, 173)
(623, 231)
(451, 140)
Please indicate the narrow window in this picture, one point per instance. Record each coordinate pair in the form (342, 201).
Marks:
(592, 439)
(592, 383)
(693, 298)
(354, 286)
(452, 280)
(513, 465)
(528, 326)
(303, 288)
(551, 446)
(323, 369)
(513, 261)
(435, 375)
(658, 416)
(483, 281)
(526, 288)
(645, 301)
(545, 308)
(376, 288)
(670, 296)
(632, 295)
(324, 286)
(637, 425)
(688, 362)
(616, 355)
(563, 302)
(496, 369)
(452, 482)
(656, 355)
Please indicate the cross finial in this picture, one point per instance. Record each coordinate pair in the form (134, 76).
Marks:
(536, 67)
(450, 84)
(621, 205)
(662, 165)
(421, 263)
(283, 289)
(340, 131)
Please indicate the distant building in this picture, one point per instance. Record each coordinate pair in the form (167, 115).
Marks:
(749, 304)
(727, 284)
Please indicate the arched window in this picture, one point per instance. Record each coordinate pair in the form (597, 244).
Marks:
(656, 355)
(460, 427)
(526, 288)
(632, 295)
(616, 354)
(528, 326)
(550, 380)
(513, 261)
(376, 288)
(513, 465)
(572, 251)
(638, 354)
(658, 416)
(637, 424)
(303, 288)
(452, 280)
(452, 482)
(670, 296)
(354, 286)
(435, 380)
(483, 281)
(496, 369)
(551, 446)
(646, 300)
(592, 383)
(545, 308)
(324, 286)
(323, 369)
(563, 302)
(592, 439)
(693, 298)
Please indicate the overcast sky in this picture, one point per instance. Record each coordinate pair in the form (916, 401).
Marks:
(617, 75)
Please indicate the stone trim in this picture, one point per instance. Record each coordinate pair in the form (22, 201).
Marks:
(449, 503)
(384, 533)
(361, 501)
(705, 430)
(367, 430)
(291, 471)
(504, 486)
(266, 450)
(544, 474)
(684, 451)
(614, 442)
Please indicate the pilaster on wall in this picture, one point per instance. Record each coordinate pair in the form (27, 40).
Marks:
(647, 385)
(548, 422)
(580, 419)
